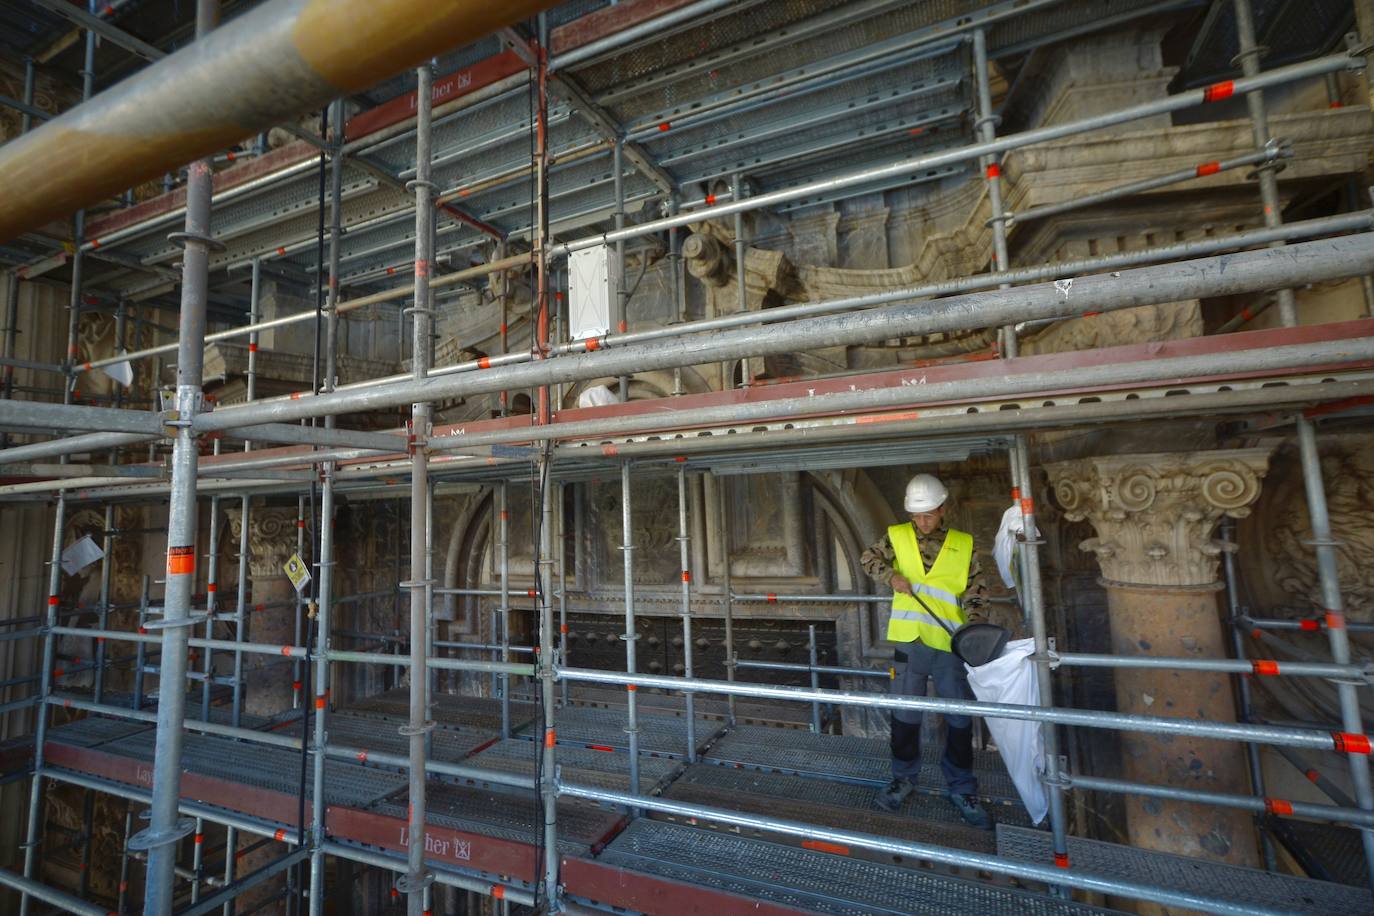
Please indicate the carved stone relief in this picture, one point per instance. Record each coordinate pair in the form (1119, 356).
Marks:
(1278, 562)
(271, 538)
(1154, 514)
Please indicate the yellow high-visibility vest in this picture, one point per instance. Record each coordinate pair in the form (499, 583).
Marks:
(941, 588)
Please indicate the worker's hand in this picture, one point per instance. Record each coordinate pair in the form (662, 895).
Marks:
(900, 583)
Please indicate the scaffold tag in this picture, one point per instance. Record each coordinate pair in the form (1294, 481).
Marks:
(296, 571)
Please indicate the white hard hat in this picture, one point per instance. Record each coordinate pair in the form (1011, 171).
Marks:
(925, 493)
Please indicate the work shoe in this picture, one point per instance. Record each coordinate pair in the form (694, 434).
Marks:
(891, 796)
(973, 813)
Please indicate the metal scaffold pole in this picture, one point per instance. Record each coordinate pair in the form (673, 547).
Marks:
(684, 540)
(548, 764)
(502, 619)
(324, 594)
(986, 125)
(416, 881)
(723, 519)
(1323, 542)
(164, 830)
(630, 636)
(1033, 596)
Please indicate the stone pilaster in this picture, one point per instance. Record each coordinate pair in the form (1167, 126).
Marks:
(1154, 516)
(271, 541)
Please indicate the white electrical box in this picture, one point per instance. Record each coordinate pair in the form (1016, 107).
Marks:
(592, 282)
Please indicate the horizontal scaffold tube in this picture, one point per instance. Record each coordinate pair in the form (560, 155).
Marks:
(450, 664)
(281, 58)
(67, 701)
(1223, 665)
(215, 815)
(1329, 813)
(1160, 725)
(72, 445)
(1247, 271)
(441, 875)
(962, 858)
(365, 755)
(1179, 102)
(68, 903)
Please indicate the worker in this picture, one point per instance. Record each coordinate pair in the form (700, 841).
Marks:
(932, 570)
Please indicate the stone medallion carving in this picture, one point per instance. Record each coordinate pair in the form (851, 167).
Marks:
(271, 537)
(1154, 514)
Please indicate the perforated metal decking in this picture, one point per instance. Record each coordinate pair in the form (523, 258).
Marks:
(849, 759)
(1241, 885)
(659, 734)
(811, 881)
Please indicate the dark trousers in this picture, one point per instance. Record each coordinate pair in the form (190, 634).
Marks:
(914, 663)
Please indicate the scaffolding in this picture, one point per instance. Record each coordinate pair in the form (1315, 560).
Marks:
(1320, 366)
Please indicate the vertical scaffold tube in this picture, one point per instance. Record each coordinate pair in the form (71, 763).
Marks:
(325, 592)
(563, 588)
(503, 612)
(416, 881)
(621, 295)
(32, 831)
(548, 765)
(164, 828)
(630, 636)
(729, 590)
(1034, 598)
(684, 541)
(1323, 543)
(1252, 753)
(986, 125)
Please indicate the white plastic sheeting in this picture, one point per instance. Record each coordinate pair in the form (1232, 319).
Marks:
(1010, 678)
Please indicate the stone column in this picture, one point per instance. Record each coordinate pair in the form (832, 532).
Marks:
(1154, 516)
(271, 541)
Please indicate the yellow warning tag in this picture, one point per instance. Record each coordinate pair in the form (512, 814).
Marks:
(296, 571)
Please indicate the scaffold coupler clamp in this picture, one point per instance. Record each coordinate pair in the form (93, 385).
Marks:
(1050, 656)
(422, 882)
(1059, 780)
(1358, 50)
(149, 838)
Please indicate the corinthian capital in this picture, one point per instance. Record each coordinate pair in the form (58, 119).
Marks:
(271, 538)
(1154, 514)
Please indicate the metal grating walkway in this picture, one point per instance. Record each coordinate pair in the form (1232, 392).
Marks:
(839, 757)
(509, 816)
(273, 768)
(479, 713)
(1241, 885)
(659, 734)
(811, 881)
(94, 731)
(922, 818)
(603, 769)
(449, 745)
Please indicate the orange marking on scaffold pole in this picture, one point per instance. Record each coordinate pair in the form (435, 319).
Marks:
(631, 687)
(280, 834)
(888, 417)
(1277, 806)
(609, 450)
(200, 838)
(52, 601)
(498, 891)
(1027, 506)
(1208, 168)
(994, 171)
(550, 738)
(1061, 860)
(1265, 667)
(686, 576)
(710, 199)
(286, 650)
(281, 250)
(1310, 626)
(1335, 620)
(562, 628)
(664, 126)
(623, 327)
(362, 756)
(1350, 743)
(252, 348)
(1313, 776)
(484, 363)
(604, 748)
(823, 846)
(592, 343)
(296, 685)
(1219, 91)
(319, 702)
(181, 561)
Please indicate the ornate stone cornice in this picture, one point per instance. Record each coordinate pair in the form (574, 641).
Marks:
(1154, 514)
(271, 538)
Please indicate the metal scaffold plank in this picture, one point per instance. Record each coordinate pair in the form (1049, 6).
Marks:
(1242, 885)
(812, 881)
